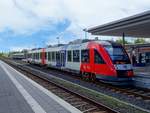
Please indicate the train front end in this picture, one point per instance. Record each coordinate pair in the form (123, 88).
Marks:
(121, 62)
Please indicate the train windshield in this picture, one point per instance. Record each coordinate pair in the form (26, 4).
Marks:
(117, 54)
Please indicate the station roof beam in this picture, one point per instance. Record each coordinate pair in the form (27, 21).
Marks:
(133, 26)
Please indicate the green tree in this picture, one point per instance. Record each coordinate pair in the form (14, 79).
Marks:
(1, 54)
(121, 41)
(139, 41)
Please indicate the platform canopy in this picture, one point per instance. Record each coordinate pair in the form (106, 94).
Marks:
(133, 26)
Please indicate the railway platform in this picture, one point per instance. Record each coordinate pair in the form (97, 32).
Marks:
(19, 94)
(142, 77)
(142, 71)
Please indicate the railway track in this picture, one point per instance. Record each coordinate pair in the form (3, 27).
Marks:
(81, 102)
(138, 93)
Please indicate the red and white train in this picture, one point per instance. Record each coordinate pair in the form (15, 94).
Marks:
(103, 60)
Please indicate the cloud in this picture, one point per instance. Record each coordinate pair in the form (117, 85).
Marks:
(92, 12)
(29, 17)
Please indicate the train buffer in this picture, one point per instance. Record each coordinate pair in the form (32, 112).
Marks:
(19, 94)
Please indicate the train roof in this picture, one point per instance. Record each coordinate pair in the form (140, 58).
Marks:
(35, 49)
(84, 45)
(18, 54)
(79, 43)
(103, 42)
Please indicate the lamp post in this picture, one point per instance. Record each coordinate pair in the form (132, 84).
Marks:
(58, 40)
(85, 30)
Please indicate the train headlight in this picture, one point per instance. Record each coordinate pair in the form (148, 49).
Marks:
(116, 67)
(130, 73)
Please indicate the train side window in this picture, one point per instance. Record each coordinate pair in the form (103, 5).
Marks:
(69, 56)
(45, 55)
(49, 56)
(32, 55)
(57, 56)
(35, 55)
(53, 56)
(85, 56)
(40, 55)
(98, 58)
(76, 55)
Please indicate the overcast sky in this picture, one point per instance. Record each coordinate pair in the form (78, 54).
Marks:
(37, 23)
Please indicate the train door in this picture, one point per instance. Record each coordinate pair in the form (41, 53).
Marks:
(63, 58)
(58, 59)
(100, 66)
(85, 61)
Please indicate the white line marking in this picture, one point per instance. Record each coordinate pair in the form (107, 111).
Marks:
(50, 94)
(30, 100)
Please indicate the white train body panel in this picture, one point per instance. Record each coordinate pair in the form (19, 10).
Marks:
(52, 63)
(33, 60)
(75, 65)
(67, 65)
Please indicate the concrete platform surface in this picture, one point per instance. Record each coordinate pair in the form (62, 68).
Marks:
(142, 77)
(19, 94)
(142, 71)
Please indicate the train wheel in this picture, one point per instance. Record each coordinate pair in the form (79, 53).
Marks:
(85, 76)
(92, 77)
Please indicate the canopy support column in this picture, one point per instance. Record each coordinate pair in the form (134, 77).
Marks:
(123, 39)
(85, 31)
